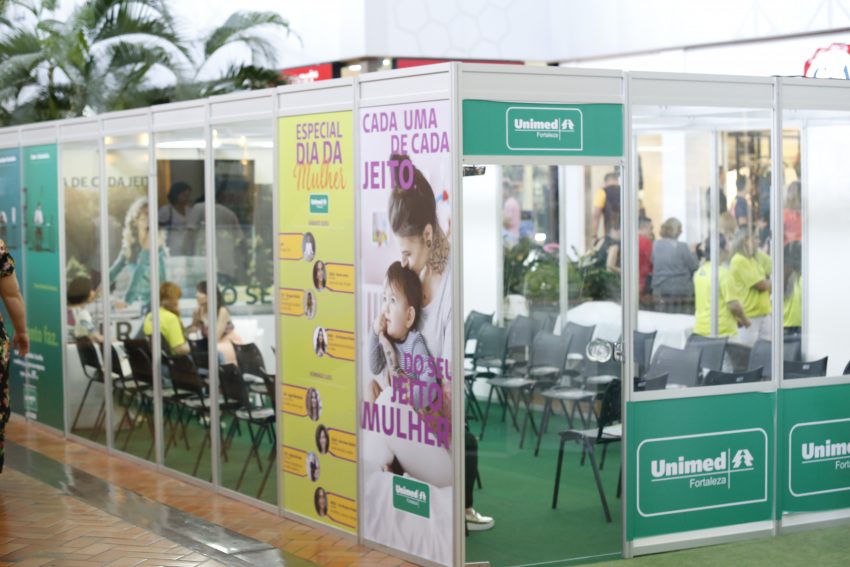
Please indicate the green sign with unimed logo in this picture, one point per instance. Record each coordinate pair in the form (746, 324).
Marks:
(511, 128)
(699, 463)
(319, 204)
(688, 473)
(814, 457)
(411, 496)
(546, 128)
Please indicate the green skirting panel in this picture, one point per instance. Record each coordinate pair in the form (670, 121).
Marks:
(699, 463)
(814, 450)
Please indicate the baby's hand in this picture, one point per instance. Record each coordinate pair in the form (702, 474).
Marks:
(380, 325)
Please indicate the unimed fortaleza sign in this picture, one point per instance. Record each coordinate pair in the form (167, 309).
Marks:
(689, 473)
(411, 496)
(819, 457)
(545, 128)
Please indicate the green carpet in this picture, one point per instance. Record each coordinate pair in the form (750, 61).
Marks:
(517, 492)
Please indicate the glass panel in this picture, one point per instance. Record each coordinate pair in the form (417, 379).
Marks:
(553, 233)
(704, 314)
(244, 331)
(816, 194)
(86, 402)
(127, 170)
(180, 163)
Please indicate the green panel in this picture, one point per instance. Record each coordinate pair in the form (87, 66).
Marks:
(411, 496)
(43, 395)
(814, 449)
(507, 128)
(699, 463)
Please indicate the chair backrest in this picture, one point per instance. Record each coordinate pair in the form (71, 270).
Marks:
(544, 320)
(549, 350)
(492, 342)
(473, 323)
(117, 369)
(645, 384)
(250, 359)
(139, 357)
(199, 350)
(716, 378)
(521, 332)
(713, 350)
(681, 366)
(184, 375)
(89, 358)
(610, 411)
(643, 348)
(578, 335)
(847, 369)
(795, 369)
(233, 386)
(760, 357)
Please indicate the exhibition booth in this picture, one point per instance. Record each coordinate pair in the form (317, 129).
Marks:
(398, 297)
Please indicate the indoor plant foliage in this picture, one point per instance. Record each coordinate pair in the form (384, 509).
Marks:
(119, 54)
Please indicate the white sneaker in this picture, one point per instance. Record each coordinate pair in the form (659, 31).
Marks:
(476, 522)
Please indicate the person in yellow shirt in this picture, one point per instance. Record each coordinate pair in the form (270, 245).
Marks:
(750, 270)
(606, 206)
(170, 325)
(730, 312)
(793, 310)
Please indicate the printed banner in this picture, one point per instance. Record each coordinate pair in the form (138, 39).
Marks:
(814, 450)
(42, 369)
(405, 328)
(10, 232)
(699, 463)
(316, 317)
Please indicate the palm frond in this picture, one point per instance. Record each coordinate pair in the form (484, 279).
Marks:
(242, 27)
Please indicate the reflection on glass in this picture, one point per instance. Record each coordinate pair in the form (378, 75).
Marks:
(704, 283)
(84, 345)
(244, 327)
(186, 397)
(129, 287)
(527, 376)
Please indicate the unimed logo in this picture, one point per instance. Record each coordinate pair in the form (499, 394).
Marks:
(827, 451)
(713, 470)
(411, 496)
(554, 125)
(544, 128)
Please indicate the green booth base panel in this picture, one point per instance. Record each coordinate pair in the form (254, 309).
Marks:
(703, 463)
(701, 538)
(800, 521)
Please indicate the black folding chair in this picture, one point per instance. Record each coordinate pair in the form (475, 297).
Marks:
(93, 371)
(760, 357)
(681, 366)
(609, 431)
(471, 326)
(794, 369)
(644, 384)
(712, 349)
(488, 361)
(716, 378)
(141, 368)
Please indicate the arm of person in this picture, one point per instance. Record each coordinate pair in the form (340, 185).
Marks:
(763, 285)
(221, 323)
(14, 302)
(377, 362)
(738, 312)
(598, 207)
(690, 259)
(117, 266)
(172, 330)
(612, 261)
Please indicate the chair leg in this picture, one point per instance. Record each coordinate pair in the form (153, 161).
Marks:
(620, 482)
(558, 474)
(269, 468)
(604, 452)
(82, 403)
(513, 409)
(526, 396)
(486, 412)
(99, 420)
(598, 477)
(544, 423)
(201, 452)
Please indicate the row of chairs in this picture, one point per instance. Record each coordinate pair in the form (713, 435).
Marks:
(187, 398)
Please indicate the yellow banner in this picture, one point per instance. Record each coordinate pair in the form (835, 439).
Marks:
(316, 317)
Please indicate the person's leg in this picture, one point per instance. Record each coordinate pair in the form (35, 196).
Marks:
(474, 520)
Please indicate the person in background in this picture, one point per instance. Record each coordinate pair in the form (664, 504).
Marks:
(792, 213)
(170, 326)
(606, 205)
(646, 236)
(38, 222)
(511, 219)
(750, 270)
(172, 217)
(14, 302)
(793, 310)
(80, 322)
(226, 334)
(730, 312)
(673, 266)
(742, 206)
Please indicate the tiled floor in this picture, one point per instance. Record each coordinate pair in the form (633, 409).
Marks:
(32, 513)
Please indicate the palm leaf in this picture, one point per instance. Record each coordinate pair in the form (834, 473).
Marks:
(242, 27)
